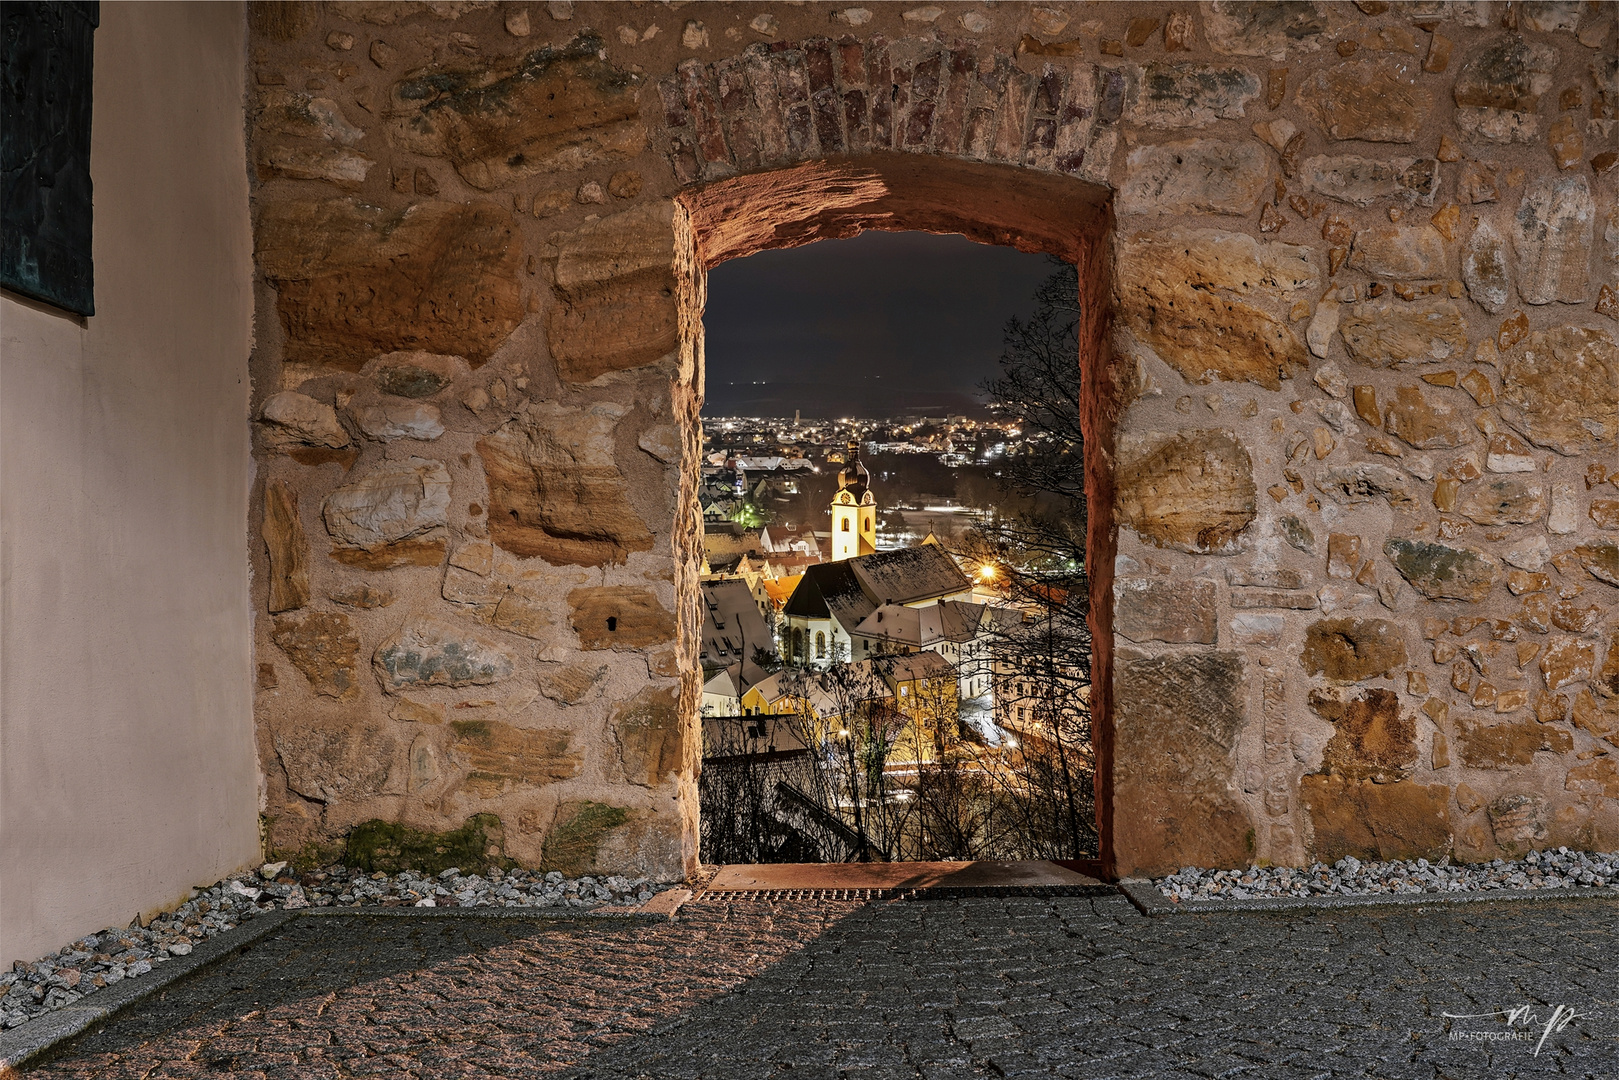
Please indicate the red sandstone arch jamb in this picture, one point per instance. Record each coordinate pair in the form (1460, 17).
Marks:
(991, 204)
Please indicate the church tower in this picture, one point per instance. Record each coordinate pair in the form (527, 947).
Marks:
(854, 510)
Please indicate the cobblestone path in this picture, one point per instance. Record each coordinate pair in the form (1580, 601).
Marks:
(929, 990)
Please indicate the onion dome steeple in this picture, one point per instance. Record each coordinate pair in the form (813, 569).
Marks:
(853, 477)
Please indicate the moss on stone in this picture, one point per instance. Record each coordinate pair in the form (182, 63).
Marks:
(306, 856)
(579, 832)
(390, 847)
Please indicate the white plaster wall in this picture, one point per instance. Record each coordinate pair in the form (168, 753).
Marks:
(127, 768)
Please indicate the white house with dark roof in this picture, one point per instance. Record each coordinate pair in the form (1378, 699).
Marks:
(833, 599)
(958, 631)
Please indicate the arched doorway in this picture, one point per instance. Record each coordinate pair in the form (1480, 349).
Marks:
(988, 203)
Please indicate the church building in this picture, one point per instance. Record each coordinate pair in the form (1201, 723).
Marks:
(854, 510)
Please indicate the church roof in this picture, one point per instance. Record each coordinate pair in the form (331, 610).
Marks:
(852, 589)
(909, 575)
(831, 590)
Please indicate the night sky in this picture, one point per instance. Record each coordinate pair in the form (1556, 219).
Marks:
(882, 324)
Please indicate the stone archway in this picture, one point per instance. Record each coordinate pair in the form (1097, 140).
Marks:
(481, 235)
(1033, 211)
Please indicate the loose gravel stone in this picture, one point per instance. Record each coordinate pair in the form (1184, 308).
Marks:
(102, 959)
(1559, 869)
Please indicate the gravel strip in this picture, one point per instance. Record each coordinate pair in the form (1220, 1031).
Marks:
(107, 958)
(1559, 869)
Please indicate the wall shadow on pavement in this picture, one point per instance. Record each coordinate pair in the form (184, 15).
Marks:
(750, 990)
(394, 996)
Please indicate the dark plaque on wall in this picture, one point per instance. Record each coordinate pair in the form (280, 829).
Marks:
(45, 151)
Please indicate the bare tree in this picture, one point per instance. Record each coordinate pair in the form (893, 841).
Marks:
(850, 725)
(1040, 388)
(1045, 660)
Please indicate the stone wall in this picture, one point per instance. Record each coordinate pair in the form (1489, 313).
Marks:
(1367, 498)
(1361, 371)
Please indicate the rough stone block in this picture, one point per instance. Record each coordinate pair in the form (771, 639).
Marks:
(1600, 777)
(1400, 252)
(338, 760)
(354, 280)
(1508, 746)
(1353, 649)
(569, 684)
(619, 617)
(652, 740)
(1147, 609)
(1184, 95)
(1179, 291)
(1503, 501)
(616, 280)
(324, 646)
(1266, 578)
(1192, 491)
(1362, 181)
(290, 419)
(559, 108)
(1567, 660)
(1424, 421)
(1178, 719)
(1196, 176)
(1373, 822)
(1499, 88)
(498, 756)
(1560, 388)
(1364, 482)
(385, 420)
(555, 489)
(1600, 560)
(394, 515)
(1272, 598)
(1373, 738)
(1518, 822)
(1245, 28)
(429, 651)
(528, 610)
(335, 164)
(1441, 572)
(1256, 629)
(283, 535)
(573, 844)
(1552, 236)
(1369, 100)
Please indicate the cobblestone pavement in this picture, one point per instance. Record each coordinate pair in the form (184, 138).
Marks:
(925, 990)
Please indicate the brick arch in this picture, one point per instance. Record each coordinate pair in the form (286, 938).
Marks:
(1034, 210)
(792, 101)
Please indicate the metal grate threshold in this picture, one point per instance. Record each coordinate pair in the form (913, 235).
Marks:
(939, 892)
